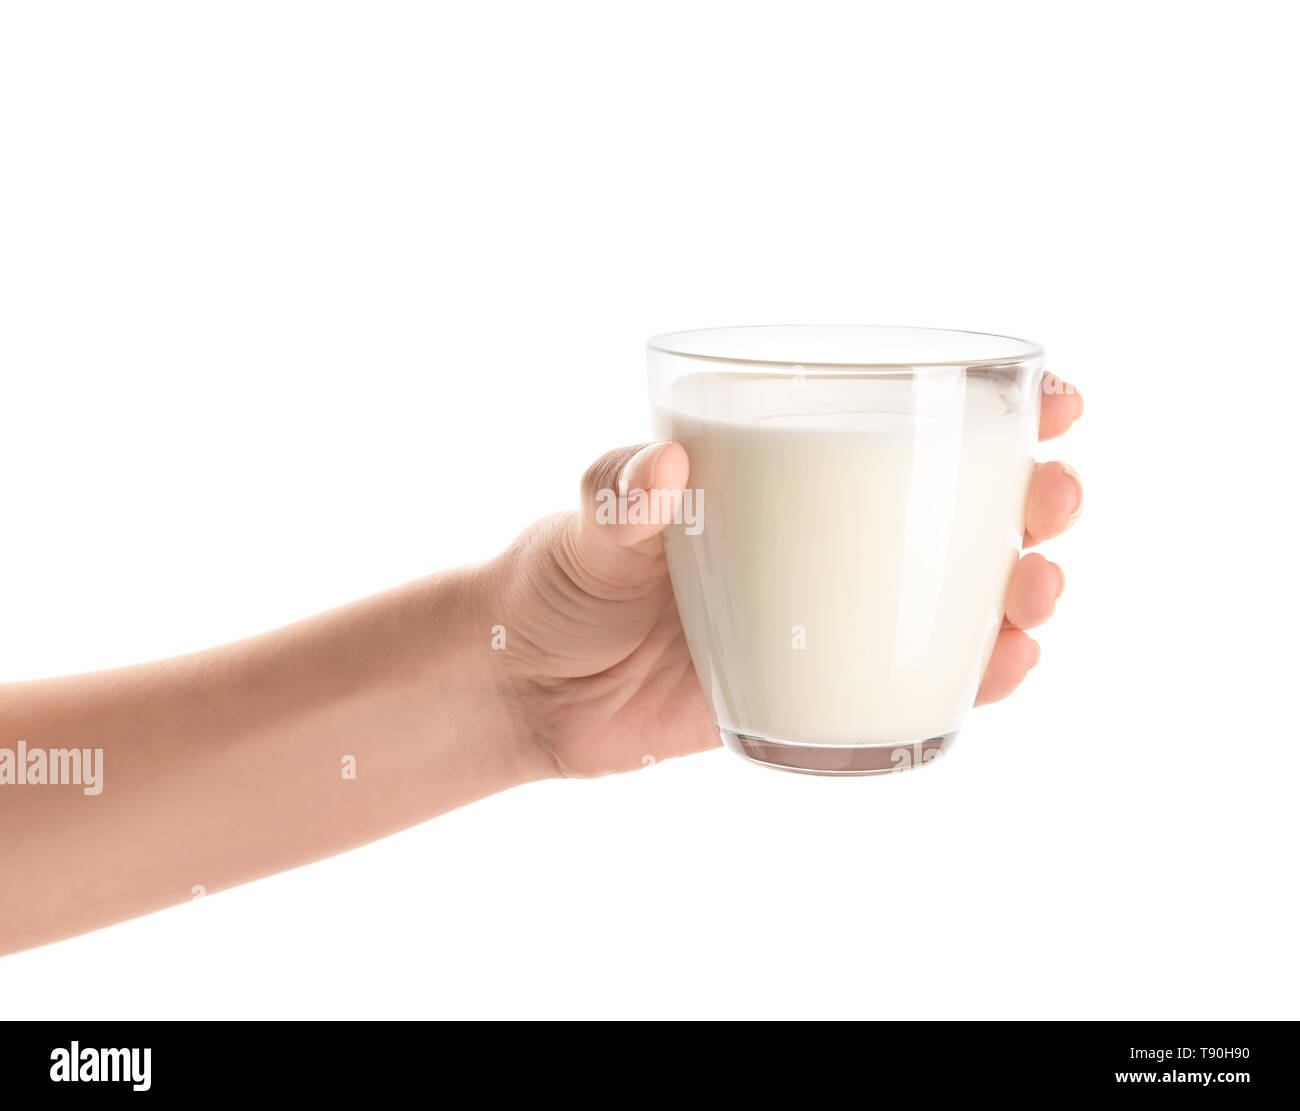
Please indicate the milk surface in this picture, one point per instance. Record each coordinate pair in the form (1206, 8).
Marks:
(859, 534)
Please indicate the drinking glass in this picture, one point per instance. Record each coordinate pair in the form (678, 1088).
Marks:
(852, 520)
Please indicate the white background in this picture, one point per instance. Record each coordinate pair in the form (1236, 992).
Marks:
(298, 301)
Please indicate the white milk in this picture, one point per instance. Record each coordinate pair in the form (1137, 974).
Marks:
(859, 534)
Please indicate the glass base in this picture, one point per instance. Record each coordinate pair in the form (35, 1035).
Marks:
(791, 756)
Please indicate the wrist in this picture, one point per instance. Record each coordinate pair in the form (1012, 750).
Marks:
(479, 673)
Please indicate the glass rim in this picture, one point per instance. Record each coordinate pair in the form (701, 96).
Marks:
(678, 345)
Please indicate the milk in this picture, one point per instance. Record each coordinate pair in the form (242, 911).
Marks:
(859, 534)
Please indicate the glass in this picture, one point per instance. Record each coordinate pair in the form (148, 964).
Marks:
(856, 504)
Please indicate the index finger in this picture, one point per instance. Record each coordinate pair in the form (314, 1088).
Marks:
(1062, 405)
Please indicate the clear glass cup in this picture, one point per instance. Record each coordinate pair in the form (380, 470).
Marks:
(856, 504)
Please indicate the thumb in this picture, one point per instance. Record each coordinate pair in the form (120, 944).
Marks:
(628, 496)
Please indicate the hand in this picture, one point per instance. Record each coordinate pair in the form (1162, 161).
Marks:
(597, 665)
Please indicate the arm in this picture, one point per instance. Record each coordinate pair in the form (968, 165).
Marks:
(229, 764)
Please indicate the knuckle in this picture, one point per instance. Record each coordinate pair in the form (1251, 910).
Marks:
(603, 473)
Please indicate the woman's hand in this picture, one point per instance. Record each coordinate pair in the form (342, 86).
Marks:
(595, 658)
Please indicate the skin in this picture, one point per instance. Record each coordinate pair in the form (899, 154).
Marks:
(227, 765)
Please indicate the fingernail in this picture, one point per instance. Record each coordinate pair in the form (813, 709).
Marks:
(1060, 575)
(1078, 492)
(639, 471)
(1038, 654)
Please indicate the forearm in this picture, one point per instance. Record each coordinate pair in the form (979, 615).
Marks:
(247, 759)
